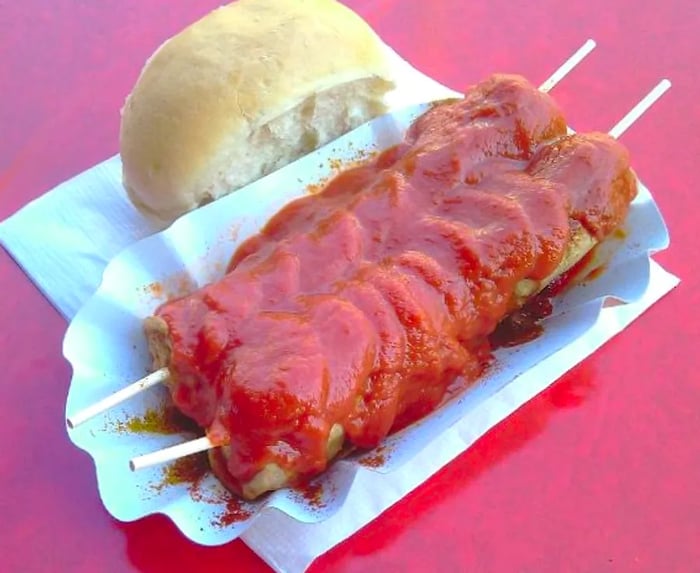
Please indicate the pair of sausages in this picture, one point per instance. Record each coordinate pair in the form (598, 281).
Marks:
(354, 310)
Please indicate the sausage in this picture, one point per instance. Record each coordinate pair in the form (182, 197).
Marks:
(272, 477)
(348, 316)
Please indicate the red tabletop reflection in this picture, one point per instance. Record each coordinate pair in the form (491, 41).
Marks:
(599, 473)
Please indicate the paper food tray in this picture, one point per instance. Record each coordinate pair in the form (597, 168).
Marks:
(107, 350)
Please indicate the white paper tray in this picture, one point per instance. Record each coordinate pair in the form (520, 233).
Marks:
(106, 348)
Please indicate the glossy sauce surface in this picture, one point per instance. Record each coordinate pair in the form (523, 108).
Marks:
(361, 304)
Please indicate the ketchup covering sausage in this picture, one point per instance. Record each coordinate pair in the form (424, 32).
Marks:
(358, 306)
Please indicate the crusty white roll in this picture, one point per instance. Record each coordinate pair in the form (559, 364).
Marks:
(250, 87)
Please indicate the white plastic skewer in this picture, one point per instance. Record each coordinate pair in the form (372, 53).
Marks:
(568, 65)
(118, 397)
(162, 374)
(638, 110)
(172, 453)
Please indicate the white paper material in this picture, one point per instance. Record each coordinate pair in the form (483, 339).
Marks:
(90, 221)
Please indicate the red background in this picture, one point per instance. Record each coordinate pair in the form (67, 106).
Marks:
(600, 473)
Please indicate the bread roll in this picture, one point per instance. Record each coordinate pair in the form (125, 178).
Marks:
(245, 90)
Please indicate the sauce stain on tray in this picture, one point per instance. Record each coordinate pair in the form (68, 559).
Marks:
(176, 286)
(165, 420)
(376, 459)
(313, 188)
(312, 494)
(183, 283)
(235, 512)
(190, 471)
(155, 289)
(522, 326)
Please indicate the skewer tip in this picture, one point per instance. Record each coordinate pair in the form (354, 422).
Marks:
(638, 110)
(574, 60)
(154, 378)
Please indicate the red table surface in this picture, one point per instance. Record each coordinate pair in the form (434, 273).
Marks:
(599, 473)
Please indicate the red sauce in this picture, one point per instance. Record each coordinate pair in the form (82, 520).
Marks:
(312, 494)
(235, 512)
(362, 304)
(375, 460)
(523, 325)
